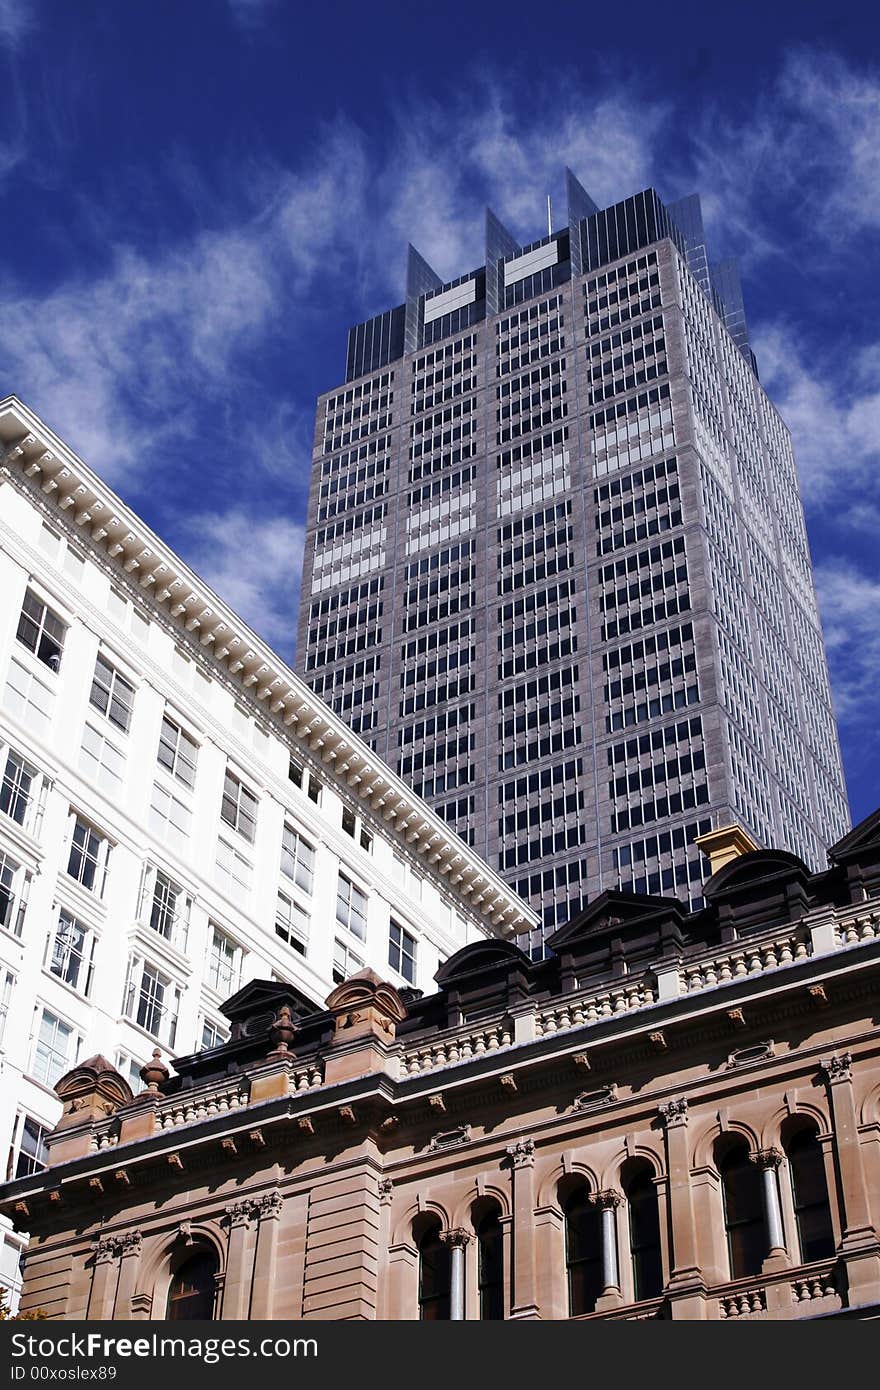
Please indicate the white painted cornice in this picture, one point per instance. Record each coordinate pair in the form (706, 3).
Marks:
(106, 527)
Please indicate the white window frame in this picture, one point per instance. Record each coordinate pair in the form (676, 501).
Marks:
(156, 1013)
(100, 760)
(161, 821)
(70, 952)
(45, 1074)
(15, 884)
(11, 788)
(183, 752)
(8, 979)
(403, 951)
(33, 1161)
(47, 645)
(115, 694)
(297, 858)
(223, 963)
(233, 871)
(346, 888)
(239, 806)
(94, 851)
(36, 715)
(345, 961)
(164, 906)
(292, 923)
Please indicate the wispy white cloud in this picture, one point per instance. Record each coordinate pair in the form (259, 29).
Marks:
(17, 19)
(250, 560)
(802, 164)
(850, 604)
(832, 408)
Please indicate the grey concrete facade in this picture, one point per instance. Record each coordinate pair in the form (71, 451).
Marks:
(556, 571)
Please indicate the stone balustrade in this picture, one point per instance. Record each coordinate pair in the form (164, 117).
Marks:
(457, 1047)
(744, 958)
(748, 1303)
(636, 993)
(864, 926)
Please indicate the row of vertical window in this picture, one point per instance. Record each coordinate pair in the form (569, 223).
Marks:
(438, 394)
(358, 497)
(374, 448)
(349, 620)
(553, 713)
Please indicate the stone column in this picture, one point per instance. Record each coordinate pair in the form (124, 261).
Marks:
(268, 1211)
(457, 1240)
(686, 1283)
(129, 1247)
(383, 1291)
(608, 1202)
(236, 1289)
(768, 1161)
(102, 1294)
(859, 1244)
(524, 1302)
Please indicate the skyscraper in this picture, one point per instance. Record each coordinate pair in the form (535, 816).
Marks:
(556, 571)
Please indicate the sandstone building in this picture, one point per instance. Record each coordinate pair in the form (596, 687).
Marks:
(677, 1115)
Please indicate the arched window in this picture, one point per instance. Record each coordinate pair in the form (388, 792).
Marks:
(434, 1275)
(583, 1251)
(644, 1233)
(747, 1243)
(810, 1193)
(490, 1264)
(193, 1288)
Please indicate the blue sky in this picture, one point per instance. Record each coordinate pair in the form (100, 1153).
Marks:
(199, 196)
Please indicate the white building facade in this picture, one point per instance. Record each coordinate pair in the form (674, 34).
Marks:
(179, 813)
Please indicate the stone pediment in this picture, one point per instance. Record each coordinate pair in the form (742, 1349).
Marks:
(479, 958)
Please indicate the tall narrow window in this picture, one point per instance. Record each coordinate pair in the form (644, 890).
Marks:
(644, 1235)
(41, 631)
(239, 807)
(743, 1212)
(351, 907)
(297, 859)
(71, 954)
(112, 694)
(402, 952)
(33, 1155)
(490, 1266)
(810, 1193)
(56, 1049)
(15, 789)
(435, 1276)
(193, 1289)
(88, 854)
(583, 1252)
(177, 752)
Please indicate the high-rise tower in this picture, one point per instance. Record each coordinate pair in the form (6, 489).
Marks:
(556, 570)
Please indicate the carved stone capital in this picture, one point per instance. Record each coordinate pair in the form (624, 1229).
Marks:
(607, 1199)
(386, 1191)
(522, 1153)
(458, 1236)
(104, 1250)
(674, 1112)
(129, 1243)
(239, 1213)
(268, 1207)
(767, 1158)
(838, 1069)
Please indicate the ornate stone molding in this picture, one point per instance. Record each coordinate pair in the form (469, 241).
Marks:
(522, 1153)
(607, 1199)
(767, 1158)
(674, 1112)
(386, 1191)
(267, 1207)
(457, 1236)
(451, 1138)
(838, 1069)
(239, 1213)
(115, 1247)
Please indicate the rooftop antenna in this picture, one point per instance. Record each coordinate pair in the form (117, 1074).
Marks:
(549, 217)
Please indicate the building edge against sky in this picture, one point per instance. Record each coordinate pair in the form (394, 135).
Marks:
(556, 570)
(178, 813)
